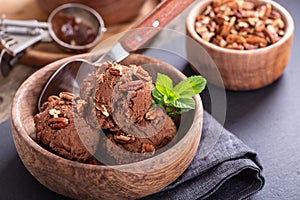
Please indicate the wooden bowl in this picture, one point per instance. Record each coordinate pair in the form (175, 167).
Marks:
(240, 69)
(85, 181)
(112, 11)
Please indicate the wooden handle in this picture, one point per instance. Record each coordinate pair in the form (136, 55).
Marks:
(152, 24)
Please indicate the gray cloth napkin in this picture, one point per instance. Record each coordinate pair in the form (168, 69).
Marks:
(223, 168)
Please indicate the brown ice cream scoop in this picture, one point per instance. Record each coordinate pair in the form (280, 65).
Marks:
(58, 127)
(121, 97)
(157, 130)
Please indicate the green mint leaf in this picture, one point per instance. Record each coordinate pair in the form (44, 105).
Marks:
(164, 80)
(163, 99)
(176, 111)
(158, 98)
(184, 103)
(191, 86)
(165, 86)
(184, 88)
(178, 99)
(198, 83)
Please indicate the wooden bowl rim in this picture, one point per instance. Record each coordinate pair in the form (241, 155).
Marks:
(16, 121)
(286, 16)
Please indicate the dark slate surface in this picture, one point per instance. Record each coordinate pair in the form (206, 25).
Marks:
(267, 120)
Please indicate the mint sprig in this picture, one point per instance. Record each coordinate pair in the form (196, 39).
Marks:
(178, 99)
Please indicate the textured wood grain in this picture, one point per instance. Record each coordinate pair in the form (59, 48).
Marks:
(156, 20)
(83, 181)
(241, 70)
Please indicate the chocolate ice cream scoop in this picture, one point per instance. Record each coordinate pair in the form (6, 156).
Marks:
(121, 96)
(155, 130)
(58, 127)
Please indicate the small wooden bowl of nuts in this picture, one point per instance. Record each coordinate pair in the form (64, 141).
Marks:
(92, 180)
(248, 40)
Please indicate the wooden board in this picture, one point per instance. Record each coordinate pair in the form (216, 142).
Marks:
(45, 53)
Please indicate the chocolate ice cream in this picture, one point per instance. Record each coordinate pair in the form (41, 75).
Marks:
(154, 132)
(121, 97)
(115, 99)
(58, 127)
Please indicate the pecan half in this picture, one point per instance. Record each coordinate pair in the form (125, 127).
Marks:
(66, 96)
(142, 74)
(58, 123)
(53, 98)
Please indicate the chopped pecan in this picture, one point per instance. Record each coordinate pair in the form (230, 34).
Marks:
(274, 15)
(259, 34)
(281, 33)
(66, 96)
(102, 109)
(207, 10)
(142, 74)
(225, 29)
(154, 112)
(255, 40)
(253, 20)
(204, 33)
(248, 13)
(53, 98)
(116, 69)
(250, 46)
(58, 123)
(219, 41)
(243, 25)
(54, 113)
(278, 23)
(260, 26)
(235, 46)
(271, 34)
(220, 19)
(148, 149)
(268, 11)
(246, 5)
(212, 26)
(207, 35)
(80, 106)
(123, 138)
(235, 39)
(131, 86)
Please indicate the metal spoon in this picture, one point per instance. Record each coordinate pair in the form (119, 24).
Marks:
(64, 78)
